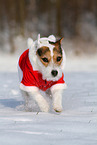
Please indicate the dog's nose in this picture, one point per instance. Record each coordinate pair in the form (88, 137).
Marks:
(54, 72)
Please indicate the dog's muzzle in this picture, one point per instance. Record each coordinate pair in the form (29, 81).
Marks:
(54, 73)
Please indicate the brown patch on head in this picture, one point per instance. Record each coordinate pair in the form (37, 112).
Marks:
(44, 55)
(57, 57)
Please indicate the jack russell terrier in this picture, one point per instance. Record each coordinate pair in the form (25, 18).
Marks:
(41, 67)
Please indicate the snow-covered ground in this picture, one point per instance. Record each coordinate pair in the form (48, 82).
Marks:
(76, 125)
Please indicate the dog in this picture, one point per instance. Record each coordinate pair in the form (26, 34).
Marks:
(41, 68)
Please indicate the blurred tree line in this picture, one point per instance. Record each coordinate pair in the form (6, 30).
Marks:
(58, 17)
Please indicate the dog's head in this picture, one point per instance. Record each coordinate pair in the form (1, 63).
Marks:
(48, 57)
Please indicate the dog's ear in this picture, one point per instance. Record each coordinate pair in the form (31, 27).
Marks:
(61, 39)
(29, 42)
(58, 42)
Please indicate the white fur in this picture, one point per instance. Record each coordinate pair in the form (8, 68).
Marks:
(57, 100)
(57, 89)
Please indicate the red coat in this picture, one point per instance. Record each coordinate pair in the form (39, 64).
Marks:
(34, 78)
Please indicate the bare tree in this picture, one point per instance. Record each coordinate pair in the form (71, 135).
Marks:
(58, 17)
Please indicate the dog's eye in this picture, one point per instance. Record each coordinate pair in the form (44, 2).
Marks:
(58, 58)
(45, 59)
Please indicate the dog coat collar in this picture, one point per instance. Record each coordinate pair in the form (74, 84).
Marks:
(32, 78)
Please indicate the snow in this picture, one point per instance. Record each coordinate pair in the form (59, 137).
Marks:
(76, 125)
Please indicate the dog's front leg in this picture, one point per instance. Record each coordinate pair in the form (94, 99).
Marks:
(57, 100)
(42, 103)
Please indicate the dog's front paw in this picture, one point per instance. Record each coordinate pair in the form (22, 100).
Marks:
(58, 109)
(45, 108)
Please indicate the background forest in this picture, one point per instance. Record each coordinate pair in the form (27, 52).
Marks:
(76, 20)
